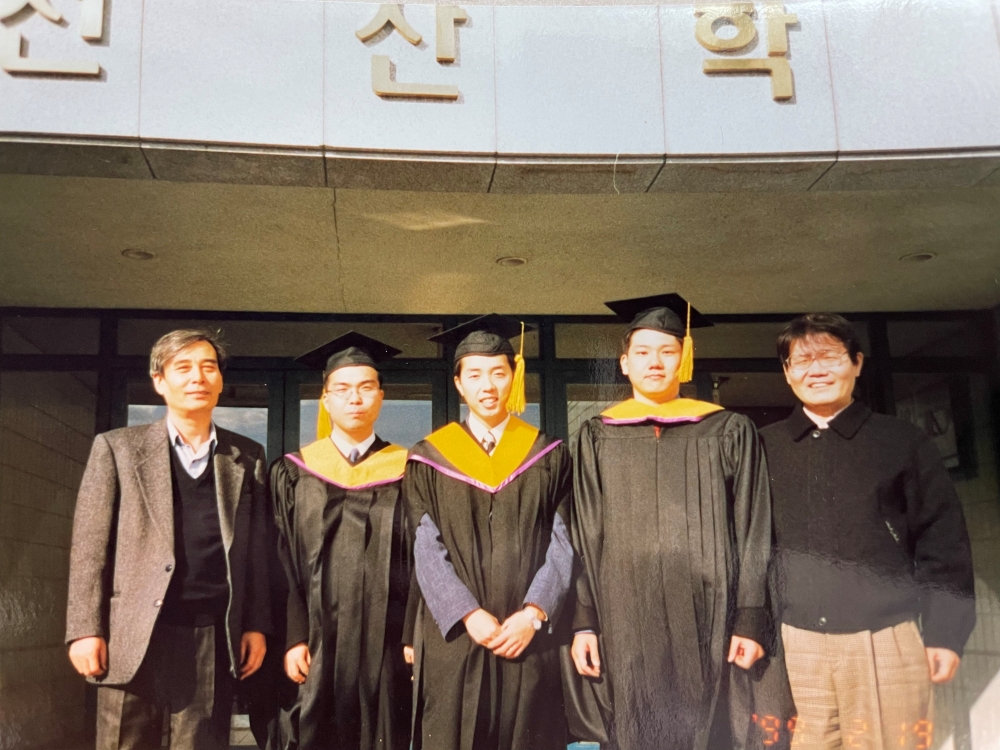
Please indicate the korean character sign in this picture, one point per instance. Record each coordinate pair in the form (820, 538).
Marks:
(744, 17)
(16, 15)
(391, 15)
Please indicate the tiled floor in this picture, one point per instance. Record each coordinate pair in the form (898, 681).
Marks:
(241, 738)
(239, 733)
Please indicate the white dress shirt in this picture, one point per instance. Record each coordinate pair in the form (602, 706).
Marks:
(823, 422)
(345, 447)
(480, 429)
(194, 461)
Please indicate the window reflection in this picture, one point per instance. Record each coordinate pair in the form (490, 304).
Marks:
(248, 421)
(763, 396)
(937, 338)
(242, 408)
(584, 401)
(24, 334)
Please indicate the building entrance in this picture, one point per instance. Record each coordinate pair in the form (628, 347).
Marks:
(66, 375)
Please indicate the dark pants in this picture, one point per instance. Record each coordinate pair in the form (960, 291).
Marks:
(186, 673)
(267, 692)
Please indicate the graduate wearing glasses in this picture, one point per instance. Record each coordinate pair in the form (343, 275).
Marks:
(489, 498)
(345, 548)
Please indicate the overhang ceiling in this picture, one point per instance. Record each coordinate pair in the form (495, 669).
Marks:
(241, 247)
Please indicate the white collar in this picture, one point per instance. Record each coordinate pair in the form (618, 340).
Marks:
(480, 429)
(345, 447)
(824, 422)
(178, 440)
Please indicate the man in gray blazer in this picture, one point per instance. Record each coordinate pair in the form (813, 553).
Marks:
(168, 586)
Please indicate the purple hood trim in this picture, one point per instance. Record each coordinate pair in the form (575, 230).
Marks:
(299, 462)
(454, 474)
(661, 420)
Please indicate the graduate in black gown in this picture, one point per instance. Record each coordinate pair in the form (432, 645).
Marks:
(672, 521)
(489, 498)
(345, 547)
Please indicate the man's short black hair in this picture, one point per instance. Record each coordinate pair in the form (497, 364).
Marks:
(458, 364)
(817, 324)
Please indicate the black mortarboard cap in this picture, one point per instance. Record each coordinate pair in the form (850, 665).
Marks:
(352, 348)
(661, 312)
(488, 335)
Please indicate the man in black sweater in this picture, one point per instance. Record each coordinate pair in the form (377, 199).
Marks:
(873, 560)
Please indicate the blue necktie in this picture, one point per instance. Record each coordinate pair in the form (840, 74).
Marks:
(353, 458)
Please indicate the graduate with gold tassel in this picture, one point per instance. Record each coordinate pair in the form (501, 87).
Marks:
(674, 642)
(489, 498)
(346, 550)
(324, 427)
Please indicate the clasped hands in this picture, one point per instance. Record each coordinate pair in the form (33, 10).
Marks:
(507, 640)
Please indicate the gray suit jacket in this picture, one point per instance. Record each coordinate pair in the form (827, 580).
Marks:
(122, 556)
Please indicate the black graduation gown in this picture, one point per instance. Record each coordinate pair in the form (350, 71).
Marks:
(496, 524)
(346, 551)
(672, 521)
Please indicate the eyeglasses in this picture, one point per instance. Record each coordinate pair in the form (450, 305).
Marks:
(342, 393)
(826, 360)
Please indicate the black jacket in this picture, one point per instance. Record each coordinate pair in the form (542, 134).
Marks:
(868, 528)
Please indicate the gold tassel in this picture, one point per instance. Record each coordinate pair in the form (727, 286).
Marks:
(517, 402)
(686, 371)
(324, 427)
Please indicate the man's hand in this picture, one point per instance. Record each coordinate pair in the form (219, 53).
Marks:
(253, 646)
(89, 656)
(943, 663)
(744, 652)
(297, 661)
(482, 626)
(408, 655)
(586, 655)
(516, 633)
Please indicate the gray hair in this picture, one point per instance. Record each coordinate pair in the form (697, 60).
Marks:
(168, 346)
